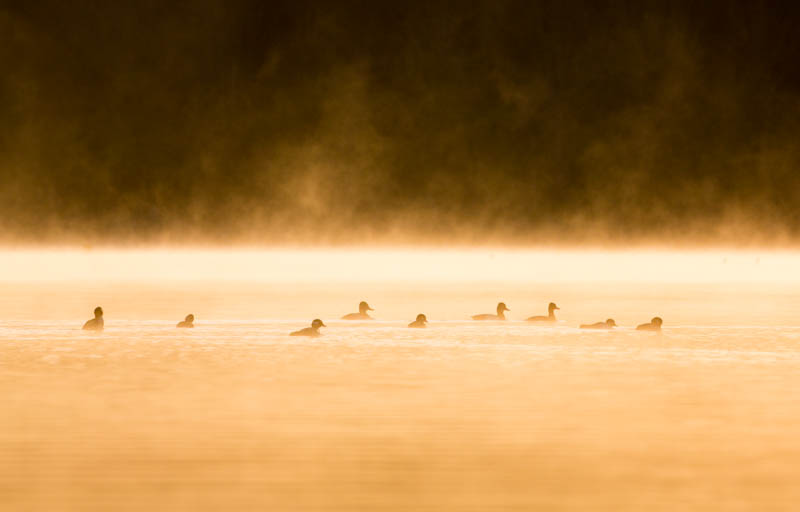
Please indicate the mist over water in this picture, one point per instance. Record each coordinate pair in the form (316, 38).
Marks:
(306, 122)
(237, 415)
(262, 164)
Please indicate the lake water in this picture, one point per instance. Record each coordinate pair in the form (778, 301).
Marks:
(236, 415)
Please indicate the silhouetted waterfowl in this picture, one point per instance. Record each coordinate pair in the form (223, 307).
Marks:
(653, 325)
(310, 331)
(96, 323)
(363, 307)
(421, 321)
(608, 324)
(501, 308)
(188, 322)
(551, 317)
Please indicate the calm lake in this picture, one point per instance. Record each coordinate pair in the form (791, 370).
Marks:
(463, 415)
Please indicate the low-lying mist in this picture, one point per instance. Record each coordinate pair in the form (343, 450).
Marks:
(421, 268)
(368, 123)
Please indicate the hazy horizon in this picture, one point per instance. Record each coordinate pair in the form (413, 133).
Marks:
(428, 267)
(410, 255)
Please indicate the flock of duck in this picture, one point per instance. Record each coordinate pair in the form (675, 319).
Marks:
(97, 323)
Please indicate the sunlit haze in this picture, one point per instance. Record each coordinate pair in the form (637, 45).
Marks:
(419, 265)
(399, 256)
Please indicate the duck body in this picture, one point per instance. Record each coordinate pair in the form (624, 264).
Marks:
(310, 331)
(362, 314)
(652, 325)
(188, 322)
(420, 323)
(97, 323)
(357, 316)
(551, 316)
(501, 309)
(488, 316)
(608, 324)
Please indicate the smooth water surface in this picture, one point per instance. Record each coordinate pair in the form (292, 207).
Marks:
(236, 415)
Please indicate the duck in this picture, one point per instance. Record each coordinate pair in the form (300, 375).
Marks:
(653, 325)
(421, 321)
(551, 317)
(310, 331)
(96, 323)
(363, 307)
(501, 308)
(187, 322)
(608, 324)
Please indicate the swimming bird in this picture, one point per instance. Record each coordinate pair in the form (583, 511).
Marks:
(187, 322)
(421, 321)
(551, 317)
(608, 324)
(653, 325)
(501, 308)
(363, 307)
(96, 323)
(310, 331)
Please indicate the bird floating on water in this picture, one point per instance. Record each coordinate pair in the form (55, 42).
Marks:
(551, 317)
(421, 321)
(310, 331)
(187, 322)
(363, 307)
(501, 308)
(608, 324)
(653, 325)
(96, 323)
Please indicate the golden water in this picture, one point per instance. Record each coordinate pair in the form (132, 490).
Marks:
(236, 415)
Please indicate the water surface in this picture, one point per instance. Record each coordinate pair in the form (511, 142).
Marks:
(236, 415)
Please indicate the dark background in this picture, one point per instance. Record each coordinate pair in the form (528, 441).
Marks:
(379, 122)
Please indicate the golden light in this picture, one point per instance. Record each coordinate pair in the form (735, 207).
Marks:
(426, 265)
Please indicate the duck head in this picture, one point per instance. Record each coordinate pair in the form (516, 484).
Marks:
(657, 321)
(98, 312)
(422, 318)
(501, 307)
(189, 318)
(363, 307)
(317, 323)
(611, 323)
(552, 307)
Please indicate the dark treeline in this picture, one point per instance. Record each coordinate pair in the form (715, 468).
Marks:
(292, 121)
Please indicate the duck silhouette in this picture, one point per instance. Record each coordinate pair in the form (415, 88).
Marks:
(363, 307)
(96, 323)
(187, 322)
(551, 317)
(421, 321)
(608, 324)
(653, 325)
(501, 308)
(310, 331)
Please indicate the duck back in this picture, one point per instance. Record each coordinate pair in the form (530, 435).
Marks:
(541, 319)
(356, 316)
